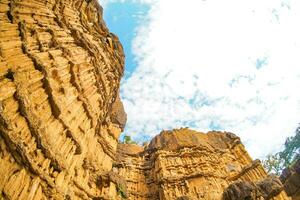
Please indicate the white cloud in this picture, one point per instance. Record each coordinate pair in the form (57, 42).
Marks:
(197, 67)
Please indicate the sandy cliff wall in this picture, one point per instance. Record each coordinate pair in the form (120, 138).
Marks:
(60, 72)
(186, 165)
(61, 117)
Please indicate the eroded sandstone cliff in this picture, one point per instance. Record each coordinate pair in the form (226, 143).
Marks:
(185, 164)
(61, 117)
(60, 72)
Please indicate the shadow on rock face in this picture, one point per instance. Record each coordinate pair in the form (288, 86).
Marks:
(118, 114)
(244, 190)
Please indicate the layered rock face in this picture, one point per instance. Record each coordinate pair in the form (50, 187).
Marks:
(60, 71)
(61, 117)
(290, 177)
(186, 165)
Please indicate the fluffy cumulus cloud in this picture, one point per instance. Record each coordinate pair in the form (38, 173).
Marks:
(217, 65)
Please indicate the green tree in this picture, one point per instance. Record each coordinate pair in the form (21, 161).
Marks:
(127, 140)
(285, 158)
(273, 163)
(291, 150)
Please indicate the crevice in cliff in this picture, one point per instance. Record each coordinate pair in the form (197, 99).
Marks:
(9, 12)
(9, 75)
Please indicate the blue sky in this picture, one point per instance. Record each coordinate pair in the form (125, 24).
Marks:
(123, 19)
(210, 65)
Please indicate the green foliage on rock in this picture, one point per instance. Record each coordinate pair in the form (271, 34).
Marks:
(127, 140)
(121, 192)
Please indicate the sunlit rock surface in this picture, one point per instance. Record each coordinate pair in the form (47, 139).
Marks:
(185, 164)
(61, 118)
(60, 72)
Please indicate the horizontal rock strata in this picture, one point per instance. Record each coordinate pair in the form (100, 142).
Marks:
(184, 164)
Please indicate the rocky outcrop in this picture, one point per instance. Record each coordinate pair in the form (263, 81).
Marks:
(60, 72)
(267, 188)
(290, 177)
(61, 117)
(185, 164)
(118, 115)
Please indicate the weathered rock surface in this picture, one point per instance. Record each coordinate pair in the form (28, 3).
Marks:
(267, 188)
(61, 117)
(60, 72)
(184, 164)
(290, 177)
